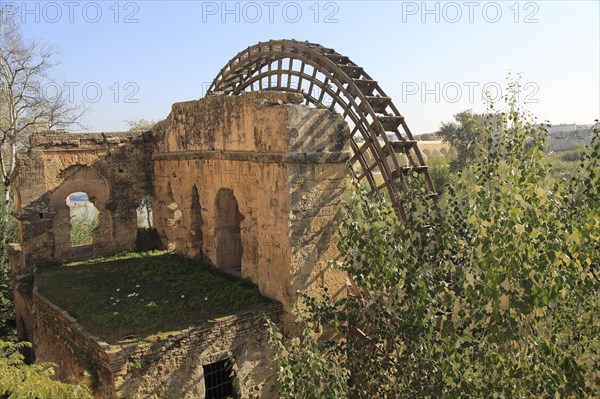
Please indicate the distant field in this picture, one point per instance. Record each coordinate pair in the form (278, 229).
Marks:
(136, 295)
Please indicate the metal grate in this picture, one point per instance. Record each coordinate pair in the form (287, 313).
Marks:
(218, 380)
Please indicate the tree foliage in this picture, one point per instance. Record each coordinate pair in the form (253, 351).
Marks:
(144, 210)
(29, 101)
(306, 368)
(140, 125)
(83, 225)
(492, 292)
(466, 136)
(8, 230)
(21, 381)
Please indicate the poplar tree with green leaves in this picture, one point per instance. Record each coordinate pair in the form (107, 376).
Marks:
(26, 381)
(492, 292)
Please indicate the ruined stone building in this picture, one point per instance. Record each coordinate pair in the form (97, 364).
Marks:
(251, 181)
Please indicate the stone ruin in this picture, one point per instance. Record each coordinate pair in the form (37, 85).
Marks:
(251, 182)
(249, 177)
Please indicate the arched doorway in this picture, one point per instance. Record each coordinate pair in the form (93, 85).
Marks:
(83, 218)
(228, 236)
(82, 223)
(196, 220)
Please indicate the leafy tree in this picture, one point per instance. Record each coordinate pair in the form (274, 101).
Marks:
(83, 224)
(427, 136)
(439, 170)
(466, 136)
(493, 292)
(8, 229)
(21, 381)
(140, 125)
(306, 368)
(25, 66)
(145, 207)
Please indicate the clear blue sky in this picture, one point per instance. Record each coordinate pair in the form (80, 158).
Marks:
(433, 58)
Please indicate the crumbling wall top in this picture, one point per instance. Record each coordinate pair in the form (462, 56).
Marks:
(59, 139)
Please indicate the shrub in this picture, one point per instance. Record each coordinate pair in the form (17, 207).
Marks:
(21, 381)
(493, 292)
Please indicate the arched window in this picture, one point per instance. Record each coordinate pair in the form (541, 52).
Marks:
(84, 218)
(228, 234)
(196, 217)
(144, 213)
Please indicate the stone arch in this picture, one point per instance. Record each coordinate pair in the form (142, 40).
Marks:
(83, 218)
(228, 237)
(169, 193)
(80, 178)
(144, 213)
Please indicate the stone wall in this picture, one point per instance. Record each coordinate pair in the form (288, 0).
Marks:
(58, 338)
(160, 367)
(284, 166)
(436, 149)
(254, 183)
(110, 167)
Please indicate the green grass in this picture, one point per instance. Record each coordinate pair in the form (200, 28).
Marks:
(134, 296)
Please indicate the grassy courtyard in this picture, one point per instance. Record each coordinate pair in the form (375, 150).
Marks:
(133, 296)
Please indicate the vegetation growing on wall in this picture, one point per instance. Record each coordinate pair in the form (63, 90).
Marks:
(492, 292)
(141, 294)
(8, 234)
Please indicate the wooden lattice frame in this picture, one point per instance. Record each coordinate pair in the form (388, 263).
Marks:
(380, 139)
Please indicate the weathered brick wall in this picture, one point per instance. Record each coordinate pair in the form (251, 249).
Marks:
(58, 338)
(172, 368)
(284, 164)
(169, 366)
(260, 171)
(110, 167)
(316, 190)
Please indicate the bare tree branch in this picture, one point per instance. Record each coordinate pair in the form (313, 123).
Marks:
(25, 107)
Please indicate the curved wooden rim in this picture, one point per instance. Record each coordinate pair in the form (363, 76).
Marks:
(365, 106)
